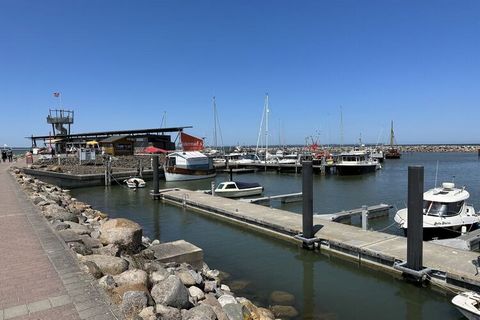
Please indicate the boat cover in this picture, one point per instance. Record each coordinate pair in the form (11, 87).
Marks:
(246, 185)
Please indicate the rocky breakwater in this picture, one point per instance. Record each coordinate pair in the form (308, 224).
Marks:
(115, 252)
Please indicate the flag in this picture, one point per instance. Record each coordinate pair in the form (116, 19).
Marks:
(56, 94)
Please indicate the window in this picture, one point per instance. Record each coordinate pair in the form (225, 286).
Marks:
(442, 209)
(231, 186)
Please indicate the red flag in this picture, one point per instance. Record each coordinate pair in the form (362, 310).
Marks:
(56, 94)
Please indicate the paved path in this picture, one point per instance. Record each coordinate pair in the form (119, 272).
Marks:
(39, 276)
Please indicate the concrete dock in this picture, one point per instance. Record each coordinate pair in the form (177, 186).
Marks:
(453, 268)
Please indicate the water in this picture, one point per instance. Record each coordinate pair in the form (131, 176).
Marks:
(325, 287)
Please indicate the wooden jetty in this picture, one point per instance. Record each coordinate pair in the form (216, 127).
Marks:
(283, 167)
(451, 267)
(284, 198)
(376, 211)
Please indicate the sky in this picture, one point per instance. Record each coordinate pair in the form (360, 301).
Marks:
(124, 64)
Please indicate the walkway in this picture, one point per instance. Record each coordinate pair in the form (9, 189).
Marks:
(39, 276)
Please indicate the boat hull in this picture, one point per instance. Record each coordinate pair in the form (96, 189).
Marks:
(181, 174)
(444, 232)
(466, 303)
(239, 193)
(348, 170)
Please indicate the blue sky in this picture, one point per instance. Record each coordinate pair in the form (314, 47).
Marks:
(121, 64)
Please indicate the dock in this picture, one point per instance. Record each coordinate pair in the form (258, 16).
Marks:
(376, 211)
(284, 198)
(451, 267)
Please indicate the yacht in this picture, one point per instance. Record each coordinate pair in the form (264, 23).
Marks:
(188, 165)
(468, 303)
(445, 212)
(236, 189)
(356, 162)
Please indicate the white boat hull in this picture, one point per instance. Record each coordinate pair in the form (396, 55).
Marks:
(140, 183)
(466, 303)
(239, 193)
(171, 177)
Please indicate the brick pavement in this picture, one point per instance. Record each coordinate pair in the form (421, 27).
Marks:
(39, 276)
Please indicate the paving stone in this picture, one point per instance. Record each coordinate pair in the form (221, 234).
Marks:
(60, 301)
(16, 311)
(39, 306)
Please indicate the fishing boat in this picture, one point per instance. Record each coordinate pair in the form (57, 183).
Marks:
(356, 162)
(134, 183)
(392, 152)
(188, 165)
(468, 303)
(445, 212)
(236, 189)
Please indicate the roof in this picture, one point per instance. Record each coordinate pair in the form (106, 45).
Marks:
(447, 193)
(114, 139)
(188, 154)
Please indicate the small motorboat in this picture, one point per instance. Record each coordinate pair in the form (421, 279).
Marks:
(236, 189)
(134, 183)
(468, 303)
(445, 212)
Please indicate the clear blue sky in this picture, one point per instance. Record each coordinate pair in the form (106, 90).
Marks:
(121, 64)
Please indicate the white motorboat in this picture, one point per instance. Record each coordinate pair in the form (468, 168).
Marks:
(468, 303)
(445, 212)
(188, 165)
(134, 183)
(236, 189)
(356, 162)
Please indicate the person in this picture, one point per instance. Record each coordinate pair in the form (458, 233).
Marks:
(4, 155)
(10, 155)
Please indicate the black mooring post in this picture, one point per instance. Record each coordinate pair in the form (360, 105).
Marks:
(307, 191)
(156, 181)
(415, 218)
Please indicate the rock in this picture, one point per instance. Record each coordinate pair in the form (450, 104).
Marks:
(108, 264)
(171, 292)
(196, 293)
(78, 228)
(210, 286)
(186, 277)
(154, 242)
(107, 283)
(118, 292)
(122, 232)
(132, 277)
(212, 274)
(69, 236)
(37, 199)
(257, 313)
(93, 269)
(159, 275)
(284, 311)
(90, 243)
(148, 313)
(55, 169)
(109, 250)
(133, 302)
(238, 285)
(95, 234)
(224, 287)
(236, 311)
(56, 212)
(80, 248)
(167, 313)
(282, 298)
(201, 312)
(59, 225)
(226, 299)
(217, 308)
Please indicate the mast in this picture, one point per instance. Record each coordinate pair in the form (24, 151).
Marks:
(214, 123)
(266, 125)
(392, 136)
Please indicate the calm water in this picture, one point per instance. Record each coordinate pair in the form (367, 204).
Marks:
(324, 287)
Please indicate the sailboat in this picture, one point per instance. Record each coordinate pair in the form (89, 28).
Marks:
(264, 128)
(392, 152)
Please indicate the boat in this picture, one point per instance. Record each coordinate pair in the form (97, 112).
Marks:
(188, 165)
(468, 303)
(135, 182)
(356, 162)
(236, 189)
(392, 152)
(377, 154)
(445, 212)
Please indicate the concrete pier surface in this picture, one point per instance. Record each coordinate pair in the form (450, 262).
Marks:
(452, 267)
(39, 276)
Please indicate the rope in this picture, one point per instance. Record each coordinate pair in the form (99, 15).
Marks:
(442, 285)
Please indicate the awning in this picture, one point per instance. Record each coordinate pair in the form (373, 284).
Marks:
(152, 149)
(92, 143)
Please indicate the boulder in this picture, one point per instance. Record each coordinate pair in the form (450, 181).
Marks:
(257, 313)
(238, 285)
(148, 313)
(109, 250)
(284, 311)
(59, 225)
(56, 212)
(224, 287)
(69, 236)
(282, 298)
(186, 277)
(107, 283)
(93, 269)
(201, 312)
(118, 292)
(108, 264)
(159, 275)
(167, 313)
(210, 286)
(133, 302)
(171, 292)
(131, 277)
(216, 306)
(122, 232)
(78, 228)
(196, 293)
(90, 243)
(226, 299)
(236, 311)
(80, 248)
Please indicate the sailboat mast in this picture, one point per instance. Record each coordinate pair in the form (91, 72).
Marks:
(266, 126)
(214, 123)
(392, 136)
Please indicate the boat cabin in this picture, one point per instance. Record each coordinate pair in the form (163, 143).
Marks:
(445, 201)
(189, 160)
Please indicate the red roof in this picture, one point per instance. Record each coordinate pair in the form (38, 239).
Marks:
(154, 150)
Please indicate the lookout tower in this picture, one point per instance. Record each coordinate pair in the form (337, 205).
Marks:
(60, 121)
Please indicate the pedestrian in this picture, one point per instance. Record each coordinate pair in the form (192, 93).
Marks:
(4, 155)
(10, 155)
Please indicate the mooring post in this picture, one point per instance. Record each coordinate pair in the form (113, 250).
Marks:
(212, 186)
(307, 191)
(156, 182)
(364, 218)
(415, 218)
(231, 174)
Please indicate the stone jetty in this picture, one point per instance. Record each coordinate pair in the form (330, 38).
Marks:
(125, 264)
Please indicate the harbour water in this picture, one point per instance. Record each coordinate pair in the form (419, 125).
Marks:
(325, 287)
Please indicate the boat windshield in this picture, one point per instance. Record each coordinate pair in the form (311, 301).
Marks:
(442, 209)
(221, 185)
